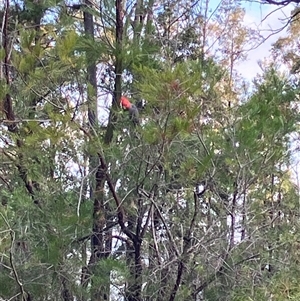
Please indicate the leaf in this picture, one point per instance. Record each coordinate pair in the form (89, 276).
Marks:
(27, 63)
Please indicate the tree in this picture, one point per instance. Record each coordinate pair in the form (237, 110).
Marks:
(41, 71)
(189, 205)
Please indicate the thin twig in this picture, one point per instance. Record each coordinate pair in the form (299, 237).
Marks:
(11, 259)
(165, 225)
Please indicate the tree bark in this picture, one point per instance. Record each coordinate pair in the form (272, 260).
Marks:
(7, 105)
(100, 240)
(118, 72)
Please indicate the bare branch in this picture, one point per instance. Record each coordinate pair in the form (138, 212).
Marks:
(120, 209)
(284, 2)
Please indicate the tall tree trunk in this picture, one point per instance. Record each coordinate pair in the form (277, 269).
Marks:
(118, 72)
(7, 105)
(91, 68)
(133, 258)
(100, 241)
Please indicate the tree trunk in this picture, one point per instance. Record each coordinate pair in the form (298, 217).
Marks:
(134, 283)
(100, 241)
(118, 72)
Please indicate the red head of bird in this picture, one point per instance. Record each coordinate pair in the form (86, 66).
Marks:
(125, 103)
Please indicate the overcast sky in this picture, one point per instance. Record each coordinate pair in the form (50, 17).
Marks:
(261, 17)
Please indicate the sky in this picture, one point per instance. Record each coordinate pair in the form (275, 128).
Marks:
(266, 18)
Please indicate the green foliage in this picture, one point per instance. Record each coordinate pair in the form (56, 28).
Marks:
(66, 45)
(244, 220)
(107, 266)
(94, 50)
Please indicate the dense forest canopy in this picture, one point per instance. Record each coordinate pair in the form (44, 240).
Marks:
(137, 163)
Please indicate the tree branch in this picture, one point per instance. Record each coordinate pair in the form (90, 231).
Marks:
(284, 2)
(183, 259)
(164, 223)
(219, 272)
(24, 294)
(120, 209)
